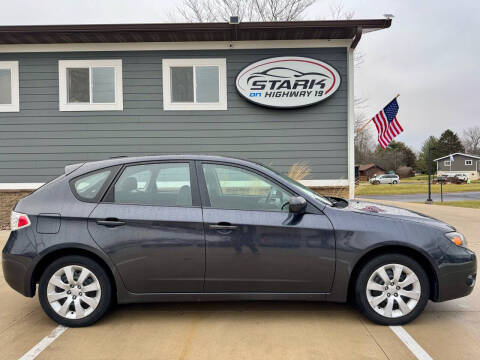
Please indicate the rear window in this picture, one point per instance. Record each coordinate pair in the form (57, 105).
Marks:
(88, 187)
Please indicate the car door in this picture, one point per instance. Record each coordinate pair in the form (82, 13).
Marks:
(253, 244)
(150, 224)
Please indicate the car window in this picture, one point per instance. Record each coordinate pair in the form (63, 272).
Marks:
(231, 187)
(163, 184)
(88, 186)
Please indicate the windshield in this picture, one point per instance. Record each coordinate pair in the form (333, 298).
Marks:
(302, 188)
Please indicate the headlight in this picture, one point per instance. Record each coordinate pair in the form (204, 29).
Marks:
(457, 238)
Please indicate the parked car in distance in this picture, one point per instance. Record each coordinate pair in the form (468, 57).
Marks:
(441, 179)
(193, 227)
(385, 179)
(462, 177)
(455, 179)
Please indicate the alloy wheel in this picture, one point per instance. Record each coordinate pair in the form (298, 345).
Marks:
(74, 292)
(393, 290)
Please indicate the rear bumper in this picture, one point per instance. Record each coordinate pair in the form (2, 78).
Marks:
(15, 273)
(457, 277)
(17, 269)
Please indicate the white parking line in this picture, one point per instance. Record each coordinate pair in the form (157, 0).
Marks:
(411, 344)
(42, 345)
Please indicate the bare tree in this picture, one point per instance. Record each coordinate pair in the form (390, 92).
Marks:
(471, 140)
(246, 10)
(338, 12)
(364, 145)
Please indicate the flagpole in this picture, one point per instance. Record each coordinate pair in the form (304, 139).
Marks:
(364, 125)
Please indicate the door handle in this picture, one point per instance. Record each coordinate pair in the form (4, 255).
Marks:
(110, 222)
(222, 226)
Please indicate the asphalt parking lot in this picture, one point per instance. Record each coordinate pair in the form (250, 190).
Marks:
(250, 330)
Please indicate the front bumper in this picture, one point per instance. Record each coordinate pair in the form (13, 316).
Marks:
(457, 275)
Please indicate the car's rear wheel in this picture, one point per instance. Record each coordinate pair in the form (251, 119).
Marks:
(395, 182)
(75, 291)
(392, 289)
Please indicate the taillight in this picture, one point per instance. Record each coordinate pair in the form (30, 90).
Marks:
(19, 221)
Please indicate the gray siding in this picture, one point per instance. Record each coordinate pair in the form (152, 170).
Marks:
(37, 142)
(459, 164)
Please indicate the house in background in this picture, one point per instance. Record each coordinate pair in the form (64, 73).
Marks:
(461, 164)
(367, 171)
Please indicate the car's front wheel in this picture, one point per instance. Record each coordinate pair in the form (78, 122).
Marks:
(75, 291)
(392, 289)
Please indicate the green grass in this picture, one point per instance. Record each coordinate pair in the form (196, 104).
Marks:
(416, 178)
(401, 189)
(473, 204)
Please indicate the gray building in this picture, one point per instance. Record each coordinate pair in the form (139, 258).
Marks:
(79, 93)
(459, 163)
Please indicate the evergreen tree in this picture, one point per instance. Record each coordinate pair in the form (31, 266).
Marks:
(449, 143)
(422, 162)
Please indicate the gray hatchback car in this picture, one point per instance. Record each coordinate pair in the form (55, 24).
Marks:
(188, 228)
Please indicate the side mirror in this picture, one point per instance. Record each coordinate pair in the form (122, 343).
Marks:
(297, 205)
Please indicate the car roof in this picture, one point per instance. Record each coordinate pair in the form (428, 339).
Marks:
(95, 165)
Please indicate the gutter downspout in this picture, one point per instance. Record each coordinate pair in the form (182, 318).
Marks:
(357, 38)
(233, 33)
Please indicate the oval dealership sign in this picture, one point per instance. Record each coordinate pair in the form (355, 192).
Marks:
(287, 82)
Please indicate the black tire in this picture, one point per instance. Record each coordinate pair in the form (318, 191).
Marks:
(361, 288)
(395, 182)
(98, 271)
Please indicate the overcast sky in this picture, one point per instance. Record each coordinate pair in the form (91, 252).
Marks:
(430, 55)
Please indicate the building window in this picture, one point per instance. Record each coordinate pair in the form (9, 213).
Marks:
(90, 85)
(9, 87)
(194, 84)
(468, 162)
(447, 163)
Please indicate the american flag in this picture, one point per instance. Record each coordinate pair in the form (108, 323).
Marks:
(387, 124)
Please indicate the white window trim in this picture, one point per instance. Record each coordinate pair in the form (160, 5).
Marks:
(62, 77)
(468, 162)
(447, 163)
(15, 86)
(222, 86)
(181, 45)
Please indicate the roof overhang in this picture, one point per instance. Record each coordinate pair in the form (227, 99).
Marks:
(366, 167)
(188, 32)
(462, 154)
